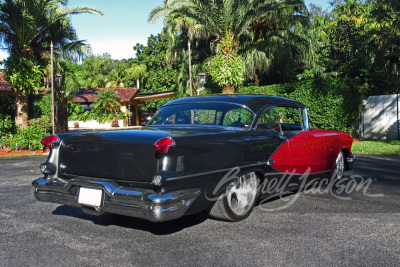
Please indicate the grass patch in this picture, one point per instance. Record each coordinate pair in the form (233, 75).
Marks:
(377, 147)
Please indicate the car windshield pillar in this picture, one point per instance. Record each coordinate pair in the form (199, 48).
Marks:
(293, 119)
(306, 121)
(268, 120)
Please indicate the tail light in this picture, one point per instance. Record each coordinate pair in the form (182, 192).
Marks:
(48, 140)
(162, 145)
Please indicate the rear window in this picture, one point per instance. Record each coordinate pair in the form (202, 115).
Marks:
(203, 114)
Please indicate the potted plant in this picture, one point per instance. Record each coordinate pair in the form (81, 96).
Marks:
(114, 123)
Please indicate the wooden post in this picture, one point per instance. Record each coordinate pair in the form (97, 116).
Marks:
(52, 88)
(137, 113)
(190, 69)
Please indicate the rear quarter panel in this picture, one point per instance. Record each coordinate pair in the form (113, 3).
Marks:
(311, 151)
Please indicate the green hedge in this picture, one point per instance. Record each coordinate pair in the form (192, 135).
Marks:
(28, 137)
(6, 125)
(332, 103)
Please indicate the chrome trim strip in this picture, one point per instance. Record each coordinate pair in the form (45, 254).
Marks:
(217, 171)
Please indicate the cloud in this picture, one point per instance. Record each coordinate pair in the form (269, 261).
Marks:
(117, 48)
(3, 54)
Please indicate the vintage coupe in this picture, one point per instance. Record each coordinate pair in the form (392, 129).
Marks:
(197, 153)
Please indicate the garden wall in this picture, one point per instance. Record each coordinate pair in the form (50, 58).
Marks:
(93, 124)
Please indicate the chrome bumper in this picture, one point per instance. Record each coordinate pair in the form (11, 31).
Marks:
(135, 202)
(350, 161)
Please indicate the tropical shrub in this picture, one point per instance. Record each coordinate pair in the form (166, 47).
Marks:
(6, 125)
(28, 137)
(78, 113)
(106, 102)
(226, 68)
(40, 106)
(102, 118)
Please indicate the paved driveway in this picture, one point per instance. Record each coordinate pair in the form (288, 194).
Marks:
(316, 229)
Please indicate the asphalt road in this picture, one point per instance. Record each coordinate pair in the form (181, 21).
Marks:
(317, 229)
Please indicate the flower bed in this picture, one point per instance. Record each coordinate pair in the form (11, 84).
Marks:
(8, 153)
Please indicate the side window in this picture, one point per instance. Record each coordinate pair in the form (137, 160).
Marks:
(181, 117)
(269, 120)
(203, 116)
(291, 119)
(238, 117)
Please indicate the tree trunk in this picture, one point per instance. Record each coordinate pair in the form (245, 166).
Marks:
(21, 108)
(138, 83)
(190, 70)
(230, 89)
(257, 77)
(60, 112)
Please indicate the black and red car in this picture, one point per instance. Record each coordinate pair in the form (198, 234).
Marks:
(198, 153)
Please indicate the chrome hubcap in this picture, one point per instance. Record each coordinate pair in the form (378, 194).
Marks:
(340, 165)
(241, 194)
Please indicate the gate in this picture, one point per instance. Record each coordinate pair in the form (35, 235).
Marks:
(380, 118)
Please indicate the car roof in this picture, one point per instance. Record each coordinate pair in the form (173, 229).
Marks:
(253, 102)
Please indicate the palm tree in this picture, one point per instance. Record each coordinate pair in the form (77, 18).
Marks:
(188, 45)
(276, 41)
(117, 77)
(27, 28)
(218, 17)
(107, 102)
(317, 43)
(229, 22)
(138, 72)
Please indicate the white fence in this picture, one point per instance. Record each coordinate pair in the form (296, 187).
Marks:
(93, 124)
(380, 119)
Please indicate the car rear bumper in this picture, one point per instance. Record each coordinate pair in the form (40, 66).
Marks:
(135, 202)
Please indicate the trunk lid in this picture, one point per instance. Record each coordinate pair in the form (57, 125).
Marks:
(122, 155)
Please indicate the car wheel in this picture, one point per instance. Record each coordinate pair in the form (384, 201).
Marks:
(339, 166)
(238, 200)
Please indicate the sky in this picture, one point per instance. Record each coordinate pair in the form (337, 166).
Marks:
(123, 25)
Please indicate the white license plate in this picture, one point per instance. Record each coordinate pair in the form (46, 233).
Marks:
(90, 196)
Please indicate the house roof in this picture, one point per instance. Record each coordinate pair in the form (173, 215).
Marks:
(142, 97)
(88, 95)
(5, 87)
